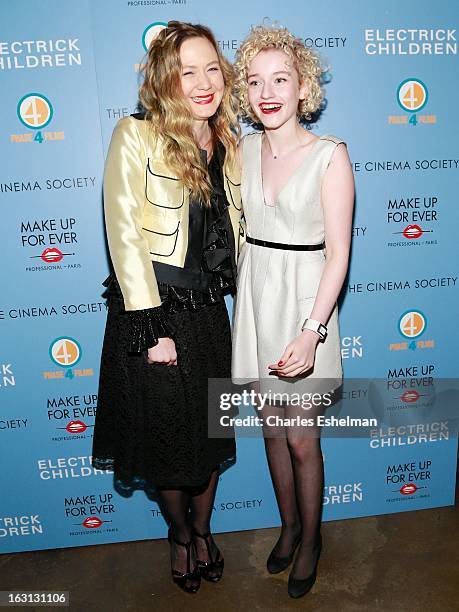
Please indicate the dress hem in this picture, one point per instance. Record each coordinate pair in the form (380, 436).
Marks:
(126, 488)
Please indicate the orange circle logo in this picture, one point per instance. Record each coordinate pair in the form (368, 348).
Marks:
(35, 111)
(151, 32)
(65, 352)
(412, 324)
(412, 95)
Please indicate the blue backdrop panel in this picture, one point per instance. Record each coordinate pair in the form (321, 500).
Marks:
(67, 76)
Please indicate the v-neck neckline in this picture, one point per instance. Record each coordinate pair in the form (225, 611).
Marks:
(290, 178)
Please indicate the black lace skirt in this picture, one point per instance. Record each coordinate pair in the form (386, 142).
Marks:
(151, 425)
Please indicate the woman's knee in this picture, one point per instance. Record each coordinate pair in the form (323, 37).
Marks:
(303, 448)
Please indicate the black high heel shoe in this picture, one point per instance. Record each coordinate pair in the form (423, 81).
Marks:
(210, 570)
(181, 579)
(275, 564)
(299, 587)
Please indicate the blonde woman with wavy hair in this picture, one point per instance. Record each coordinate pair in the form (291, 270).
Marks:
(173, 220)
(298, 194)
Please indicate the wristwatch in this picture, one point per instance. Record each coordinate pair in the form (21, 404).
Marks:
(316, 326)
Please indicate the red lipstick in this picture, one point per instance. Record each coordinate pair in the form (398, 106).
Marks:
(203, 99)
(268, 108)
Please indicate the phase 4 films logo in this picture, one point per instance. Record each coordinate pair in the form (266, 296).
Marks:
(66, 353)
(151, 32)
(412, 96)
(411, 325)
(35, 112)
(148, 35)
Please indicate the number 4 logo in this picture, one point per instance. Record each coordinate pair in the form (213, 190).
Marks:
(65, 352)
(412, 323)
(35, 111)
(412, 96)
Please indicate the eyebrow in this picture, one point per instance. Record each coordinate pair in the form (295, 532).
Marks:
(278, 72)
(207, 65)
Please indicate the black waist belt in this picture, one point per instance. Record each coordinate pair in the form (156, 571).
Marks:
(169, 275)
(182, 277)
(287, 247)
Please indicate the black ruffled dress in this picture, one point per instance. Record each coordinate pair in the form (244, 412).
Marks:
(151, 425)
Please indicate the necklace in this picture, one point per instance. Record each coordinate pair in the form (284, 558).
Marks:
(270, 150)
(275, 156)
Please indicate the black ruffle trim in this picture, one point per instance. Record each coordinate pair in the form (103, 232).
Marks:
(150, 324)
(147, 326)
(176, 299)
(218, 254)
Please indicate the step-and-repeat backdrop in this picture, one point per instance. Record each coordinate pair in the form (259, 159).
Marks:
(68, 72)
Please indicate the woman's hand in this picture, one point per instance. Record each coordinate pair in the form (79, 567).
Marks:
(163, 352)
(299, 355)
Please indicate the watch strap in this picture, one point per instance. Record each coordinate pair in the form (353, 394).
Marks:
(316, 326)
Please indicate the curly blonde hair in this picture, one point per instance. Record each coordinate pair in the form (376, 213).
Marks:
(305, 61)
(169, 115)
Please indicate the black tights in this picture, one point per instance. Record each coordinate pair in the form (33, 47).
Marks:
(188, 508)
(296, 466)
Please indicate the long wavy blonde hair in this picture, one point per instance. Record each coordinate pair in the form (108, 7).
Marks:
(169, 115)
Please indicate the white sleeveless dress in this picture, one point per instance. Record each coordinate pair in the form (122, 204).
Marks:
(277, 288)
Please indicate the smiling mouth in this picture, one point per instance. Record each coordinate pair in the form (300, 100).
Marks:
(269, 109)
(203, 99)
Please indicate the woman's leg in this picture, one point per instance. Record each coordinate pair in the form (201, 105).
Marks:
(202, 503)
(281, 470)
(209, 556)
(174, 504)
(306, 453)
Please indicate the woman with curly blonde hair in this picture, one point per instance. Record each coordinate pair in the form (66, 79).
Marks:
(297, 194)
(172, 212)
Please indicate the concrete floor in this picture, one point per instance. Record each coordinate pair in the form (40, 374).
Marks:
(401, 562)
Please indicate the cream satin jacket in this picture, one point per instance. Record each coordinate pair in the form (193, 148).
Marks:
(146, 211)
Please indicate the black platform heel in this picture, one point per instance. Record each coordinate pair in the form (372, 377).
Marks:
(275, 564)
(299, 587)
(210, 570)
(181, 578)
